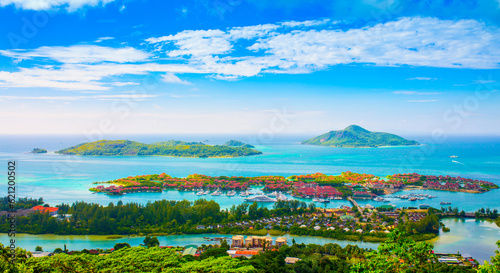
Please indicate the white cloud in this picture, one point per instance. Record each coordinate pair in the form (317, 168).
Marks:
(415, 93)
(71, 98)
(250, 32)
(70, 5)
(80, 54)
(422, 100)
(308, 23)
(82, 77)
(124, 83)
(196, 43)
(100, 39)
(286, 47)
(408, 41)
(422, 79)
(171, 78)
(122, 8)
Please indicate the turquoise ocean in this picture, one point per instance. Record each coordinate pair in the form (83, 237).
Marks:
(59, 178)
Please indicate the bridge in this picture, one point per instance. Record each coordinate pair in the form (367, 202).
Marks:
(355, 204)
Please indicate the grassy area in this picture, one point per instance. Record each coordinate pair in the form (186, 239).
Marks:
(114, 237)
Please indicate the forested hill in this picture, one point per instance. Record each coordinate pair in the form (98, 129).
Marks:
(236, 143)
(357, 137)
(166, 148)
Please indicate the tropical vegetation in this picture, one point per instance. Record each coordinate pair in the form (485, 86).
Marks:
(355, 136)
(165, 148)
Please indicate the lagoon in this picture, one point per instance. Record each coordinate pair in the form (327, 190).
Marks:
(470, 236)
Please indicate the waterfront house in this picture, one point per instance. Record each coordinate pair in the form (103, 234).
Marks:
(362, 195)
(291, 260)
(245, 253)
(189, 251)
(200, 227)
(258, 241)
(238, 241)
(51, 210)
(38, 254)
(280, 241)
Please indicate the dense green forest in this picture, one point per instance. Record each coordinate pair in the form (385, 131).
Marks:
(355, 136)
(399, 254)
(167, 217)
(167, 148)
(20, 203)
(182, 217)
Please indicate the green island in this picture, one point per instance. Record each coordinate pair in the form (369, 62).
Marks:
(347, 184)
(236, 143)
(355, 136)
(38, 151)
(164, 148)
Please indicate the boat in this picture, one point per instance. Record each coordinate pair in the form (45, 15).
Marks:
(260, 198)
(231, 193)
(323, 200)
(444, 203)
(244, 194)
(281, 197)
(216, 193)
(200, 192)
(378, 199)
(273, 194)
(453, 156)
(315, 199)
(413, 199)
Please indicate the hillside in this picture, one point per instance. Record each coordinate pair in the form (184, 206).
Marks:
(167, 148)
(357, 137)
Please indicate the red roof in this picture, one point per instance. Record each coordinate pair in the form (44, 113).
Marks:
(45, 209)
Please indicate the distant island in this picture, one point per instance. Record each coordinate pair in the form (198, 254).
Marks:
(236, 143)
(164, 148)
(355, 136)
(38, 151)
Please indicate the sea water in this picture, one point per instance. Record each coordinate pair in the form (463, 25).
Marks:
(63, 178)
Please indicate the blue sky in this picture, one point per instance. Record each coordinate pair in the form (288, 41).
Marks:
(236, 66)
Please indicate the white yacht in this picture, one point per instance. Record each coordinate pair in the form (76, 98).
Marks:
(260, 198)
(244, 194)
(281, 197)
